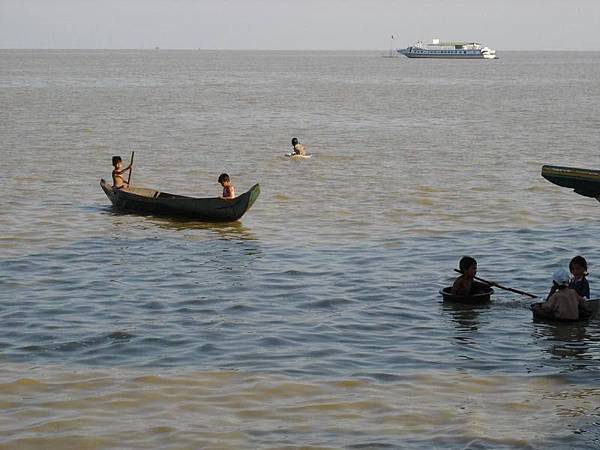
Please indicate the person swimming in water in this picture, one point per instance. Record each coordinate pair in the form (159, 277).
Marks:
(298, 147)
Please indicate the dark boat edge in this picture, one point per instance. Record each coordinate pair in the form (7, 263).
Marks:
(477, 299)
(591, 312)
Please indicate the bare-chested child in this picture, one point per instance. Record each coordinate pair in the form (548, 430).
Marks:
(228, 189)
(298, 147)
(117, 174)
(465, 285)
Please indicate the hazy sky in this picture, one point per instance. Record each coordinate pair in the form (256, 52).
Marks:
(297, 24)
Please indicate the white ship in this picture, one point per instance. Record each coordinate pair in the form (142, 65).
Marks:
(452, 50)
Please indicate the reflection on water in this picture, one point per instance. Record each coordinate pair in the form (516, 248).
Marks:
(464, 317)
(224, 230)
(565, 339)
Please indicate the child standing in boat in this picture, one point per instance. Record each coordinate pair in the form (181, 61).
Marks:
(298, 147)
(117, 174)
(228, 189)
(578, 268)
(563, 303)
(465, 285)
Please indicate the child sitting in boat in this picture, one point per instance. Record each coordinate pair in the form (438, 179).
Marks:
(298, 147)
(117, 174)
(578, 268)
(228, 189)
(563, 302)
(465, 285)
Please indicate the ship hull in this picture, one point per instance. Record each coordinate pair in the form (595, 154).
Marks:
(422, 55)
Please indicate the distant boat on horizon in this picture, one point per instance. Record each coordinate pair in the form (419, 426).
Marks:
(448, 50)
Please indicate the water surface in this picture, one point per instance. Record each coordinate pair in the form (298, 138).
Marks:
(315, 321)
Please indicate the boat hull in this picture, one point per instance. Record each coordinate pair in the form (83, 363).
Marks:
(150, 201)
(477, 299)
(590, 312)
(449, 56)
(584, 182)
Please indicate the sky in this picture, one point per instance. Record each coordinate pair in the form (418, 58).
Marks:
(297, 24)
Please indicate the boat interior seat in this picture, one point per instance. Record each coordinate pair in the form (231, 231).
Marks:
(166, 195)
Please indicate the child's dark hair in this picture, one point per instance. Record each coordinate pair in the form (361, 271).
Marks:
(465, 263)
(580, 261)
(294, 141)
(223, 177)
(116, 159)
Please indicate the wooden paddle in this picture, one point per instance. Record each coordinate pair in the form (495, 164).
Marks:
(130, 170)
(491, 283)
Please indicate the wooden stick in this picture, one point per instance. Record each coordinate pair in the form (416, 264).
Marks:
(130, 169)
(491, 283)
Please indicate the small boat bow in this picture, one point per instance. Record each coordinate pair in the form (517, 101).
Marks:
(584, 182)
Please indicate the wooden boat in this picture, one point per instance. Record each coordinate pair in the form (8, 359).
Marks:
(584, 182)
(150, 201)
(477, 299)
(590, 311)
